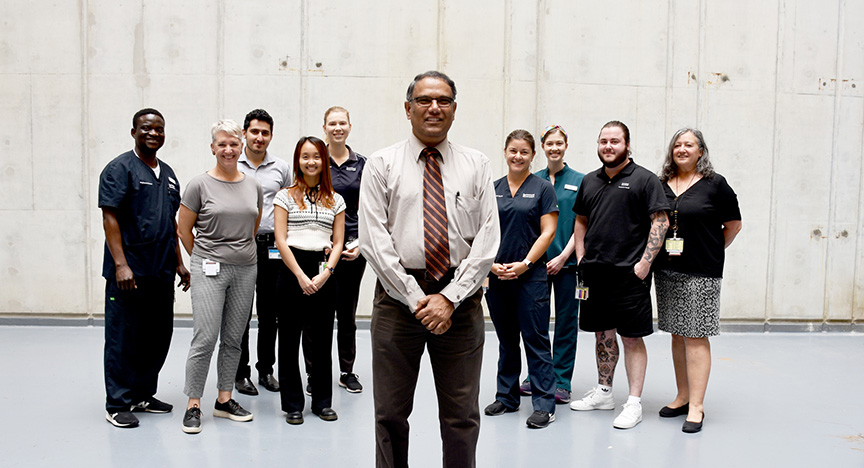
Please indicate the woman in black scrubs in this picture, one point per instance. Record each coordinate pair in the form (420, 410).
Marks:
(518, 296)
(704, 220)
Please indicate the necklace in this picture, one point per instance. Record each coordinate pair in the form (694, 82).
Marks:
(689, 184)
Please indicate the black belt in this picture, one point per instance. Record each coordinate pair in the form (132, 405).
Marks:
(423, 275)
(269, 238)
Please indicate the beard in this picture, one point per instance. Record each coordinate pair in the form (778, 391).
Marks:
(619, 158)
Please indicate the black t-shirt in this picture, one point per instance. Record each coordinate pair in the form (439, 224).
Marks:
(702, 210)
(619, 214)
(346, 182)
(519, 216)
(145, 207)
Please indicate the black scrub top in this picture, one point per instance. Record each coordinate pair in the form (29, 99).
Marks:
(520, 221)
(702, 211)
(146, 207)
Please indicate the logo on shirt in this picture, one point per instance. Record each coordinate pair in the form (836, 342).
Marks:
(146, 183)
(624, 185)
(527, 195)
(351, 169)
(171, 179)
(499, 196)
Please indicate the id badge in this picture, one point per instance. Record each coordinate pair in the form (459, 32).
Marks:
(674, 246)
(321, 267)
(273, 254)
(210, 267)
(581, 291)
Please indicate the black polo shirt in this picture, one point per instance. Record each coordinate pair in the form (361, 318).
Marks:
(145, 207)
(519, 217)
(346, 182)
(619, 214)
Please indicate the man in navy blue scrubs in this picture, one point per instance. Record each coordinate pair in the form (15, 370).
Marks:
(139, 196)
(620, 225)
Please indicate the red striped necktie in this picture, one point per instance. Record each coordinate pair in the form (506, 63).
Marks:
(435, 238)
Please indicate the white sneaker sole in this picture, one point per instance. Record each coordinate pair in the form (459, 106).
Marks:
(233, 417)
(579, 406)
(191, 430)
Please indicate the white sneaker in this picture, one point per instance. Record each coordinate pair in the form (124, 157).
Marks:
(593, 400)
(631, 416)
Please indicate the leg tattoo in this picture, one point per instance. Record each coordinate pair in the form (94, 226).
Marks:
(607, 356)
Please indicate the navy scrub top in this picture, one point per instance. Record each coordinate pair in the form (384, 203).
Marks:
(520, 221)
(145, 208)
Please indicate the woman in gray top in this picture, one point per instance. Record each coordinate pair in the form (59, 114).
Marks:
(224, 208)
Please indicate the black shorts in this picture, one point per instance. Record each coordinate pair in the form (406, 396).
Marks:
(617, 299)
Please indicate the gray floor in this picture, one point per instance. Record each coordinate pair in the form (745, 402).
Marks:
(790, 400)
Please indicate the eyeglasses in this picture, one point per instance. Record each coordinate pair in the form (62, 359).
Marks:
(444, 102)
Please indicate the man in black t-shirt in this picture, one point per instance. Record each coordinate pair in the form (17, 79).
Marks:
(139, 196)
(620, 224)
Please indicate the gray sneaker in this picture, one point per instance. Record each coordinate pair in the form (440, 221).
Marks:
(540, 419)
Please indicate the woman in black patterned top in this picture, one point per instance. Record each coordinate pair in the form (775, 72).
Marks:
(704, 220)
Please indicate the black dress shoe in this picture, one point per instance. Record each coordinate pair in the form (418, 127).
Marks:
(294, 418)
(667, 412)
(693, 427)
(245, 386)
(269, 382)
(327, 414)
(497, 408)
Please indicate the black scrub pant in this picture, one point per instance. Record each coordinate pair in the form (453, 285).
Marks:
(301, 314)
(398, 343)
(266, 305)
(138, 328)
(517, 308)
(348, 276)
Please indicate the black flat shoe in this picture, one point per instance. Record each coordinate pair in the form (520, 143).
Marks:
(246, 387)
(294, 418)
(269, 382)
(693, 427)
(497, 408)
(327, 414)
(667, 412)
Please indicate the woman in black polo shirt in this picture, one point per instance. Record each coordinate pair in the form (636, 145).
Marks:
(346, 170)
(518, 296)
(704, 220)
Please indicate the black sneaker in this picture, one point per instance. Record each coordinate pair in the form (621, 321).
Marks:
(122, 419)
(349, 382)
(152, 405)
(497, 408)
(192, 420)
(540, 419)
(231, 410)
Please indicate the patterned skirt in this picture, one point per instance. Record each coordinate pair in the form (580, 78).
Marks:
(687, 305)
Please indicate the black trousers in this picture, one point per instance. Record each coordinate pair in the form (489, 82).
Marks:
(266, 305)
(301, 314)
(138, 328)
(398, 343)
(349, 275)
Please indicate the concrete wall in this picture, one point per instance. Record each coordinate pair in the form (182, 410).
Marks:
(776, 85)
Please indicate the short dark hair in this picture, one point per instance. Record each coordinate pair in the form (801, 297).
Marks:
(145, 111)
(431, 74)
(257, 114)
(619, 124)
(520, 134)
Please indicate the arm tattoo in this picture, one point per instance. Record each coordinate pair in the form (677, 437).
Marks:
(659, 225)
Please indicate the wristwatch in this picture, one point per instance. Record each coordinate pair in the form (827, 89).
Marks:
(527, 263)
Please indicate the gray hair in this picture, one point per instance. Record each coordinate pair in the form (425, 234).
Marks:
(226, 126)
(703, 166)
